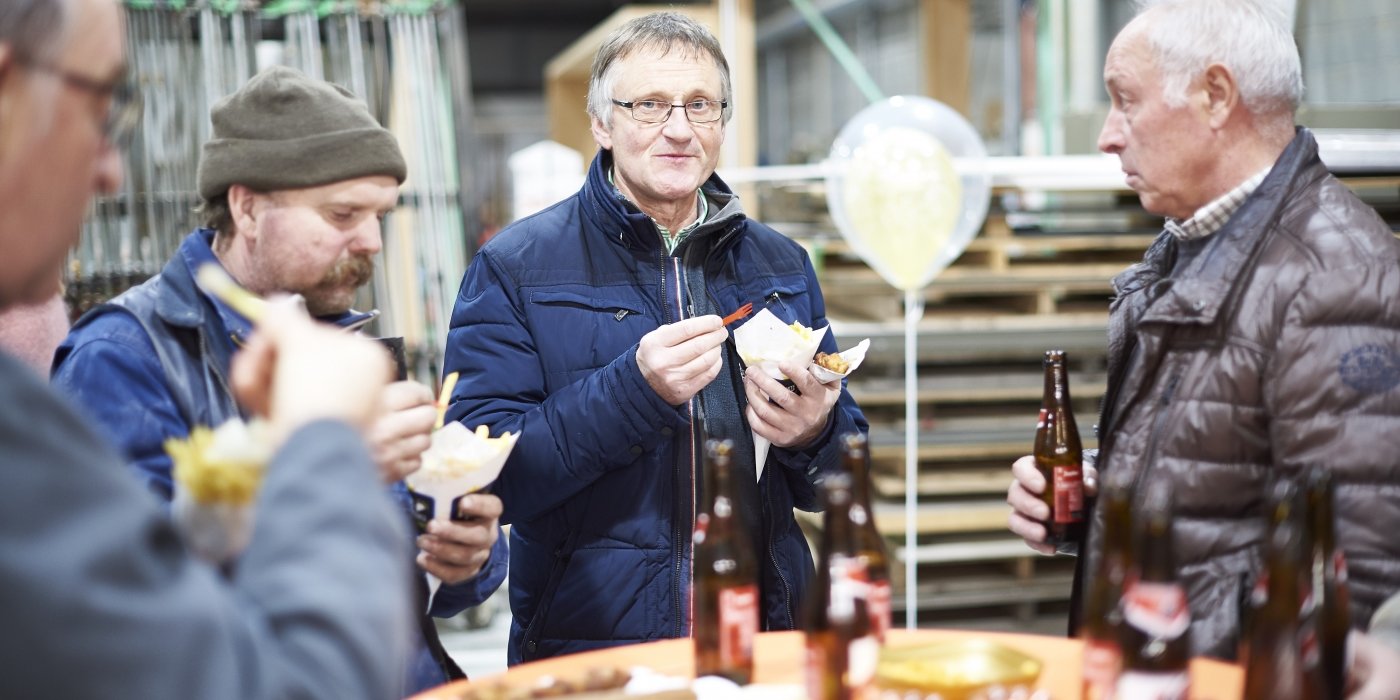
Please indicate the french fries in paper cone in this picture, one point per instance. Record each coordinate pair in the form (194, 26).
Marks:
(458, 462)
(217, 474)
(764, 341)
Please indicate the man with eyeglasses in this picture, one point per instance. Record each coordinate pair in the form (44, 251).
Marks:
(100, 597)
(594, 328)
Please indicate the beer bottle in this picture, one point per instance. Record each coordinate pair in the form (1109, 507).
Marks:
(1059, 456)
(1102, 623)
(1330, 617)
(1282, 502)
(726, 577)
(1273, 668)
(1156, 617)
(870, 546)
(841, 647)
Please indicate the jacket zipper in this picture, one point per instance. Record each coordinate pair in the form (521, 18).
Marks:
(773, 559)
(678, 540)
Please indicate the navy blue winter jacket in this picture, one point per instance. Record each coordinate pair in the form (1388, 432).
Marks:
(601, 488)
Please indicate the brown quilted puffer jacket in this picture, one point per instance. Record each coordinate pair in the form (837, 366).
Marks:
(1277, 349)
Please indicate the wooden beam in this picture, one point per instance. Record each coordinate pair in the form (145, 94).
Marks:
(945, 38)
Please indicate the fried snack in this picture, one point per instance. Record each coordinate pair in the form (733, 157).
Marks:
(449, 459)
(833, 362)
(596, 684)
(801, 330)
(223, 465)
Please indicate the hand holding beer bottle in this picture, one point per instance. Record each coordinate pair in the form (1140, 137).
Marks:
(1051, 488)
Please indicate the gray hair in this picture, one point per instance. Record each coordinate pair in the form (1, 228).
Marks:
(662, 32)
(34, 29)
(1249, 37)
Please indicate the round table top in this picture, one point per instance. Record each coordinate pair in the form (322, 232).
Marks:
(778, 659)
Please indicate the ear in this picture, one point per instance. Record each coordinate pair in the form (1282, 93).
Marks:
(1221, 94)
(601, 134)
(242, 206)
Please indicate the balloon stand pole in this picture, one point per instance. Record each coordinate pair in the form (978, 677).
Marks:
(913, 313)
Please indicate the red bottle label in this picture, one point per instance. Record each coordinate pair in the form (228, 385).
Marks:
(1339, 566)
(878, 601)
(1069, 494)
(1158, 609)
(1103, 661)
(738, 622)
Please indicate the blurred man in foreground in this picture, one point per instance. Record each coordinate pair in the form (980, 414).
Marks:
(295, 181)
(30, 332)
(1260, 335)
(100, 598)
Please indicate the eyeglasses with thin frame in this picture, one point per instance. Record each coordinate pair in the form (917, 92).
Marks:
(656, 111)
(124, 111)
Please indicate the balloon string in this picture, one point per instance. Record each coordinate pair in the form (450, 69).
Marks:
(839, 50)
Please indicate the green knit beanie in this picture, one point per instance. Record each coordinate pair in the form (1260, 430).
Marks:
(286, 131)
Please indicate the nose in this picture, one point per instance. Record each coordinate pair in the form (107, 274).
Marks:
(107, 175)
(677, 126)
(368, 238)
(1111, 135)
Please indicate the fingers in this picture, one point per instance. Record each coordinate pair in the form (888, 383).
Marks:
(679, 359)
(1091, 480)
(1028, 511)
(456, 551)
(1028, 476)
(784, 417)
(673, 334)
(403, 430)
(406, 394)
(251, 374)
(480, 505)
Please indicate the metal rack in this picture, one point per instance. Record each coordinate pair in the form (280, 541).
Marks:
(407, 60)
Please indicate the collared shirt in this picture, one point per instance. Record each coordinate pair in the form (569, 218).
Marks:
(702, 211)
(1211, 217)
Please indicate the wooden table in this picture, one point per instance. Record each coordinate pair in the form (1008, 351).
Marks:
(778, 659)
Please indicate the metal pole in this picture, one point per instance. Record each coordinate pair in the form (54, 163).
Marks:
(913, 312)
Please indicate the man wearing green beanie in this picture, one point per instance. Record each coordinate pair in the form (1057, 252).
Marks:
(295, 181)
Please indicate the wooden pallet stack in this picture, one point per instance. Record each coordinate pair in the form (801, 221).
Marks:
(1030, 281)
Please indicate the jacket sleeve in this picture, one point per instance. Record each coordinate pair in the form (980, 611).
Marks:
(806, 465)
(568, 438)
(101, 599)
(1332, 390)
(110, 370)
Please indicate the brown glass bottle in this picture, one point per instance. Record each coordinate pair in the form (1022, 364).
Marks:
(1102, 624)
(1060, 457)
(874, 567)
(1156, 616)
(840, 645)
(726, 577)
(1329, 618)
(1282, 502)
(1273, 667)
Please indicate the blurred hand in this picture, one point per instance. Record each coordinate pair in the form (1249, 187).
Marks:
(295, 371)
(785, 417)
(679, 359)
(403, 429)
(455, 550)
(1373, 669)
(1028, 512)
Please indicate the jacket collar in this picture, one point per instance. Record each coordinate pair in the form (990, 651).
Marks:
(612, 216)
(1201, 291)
